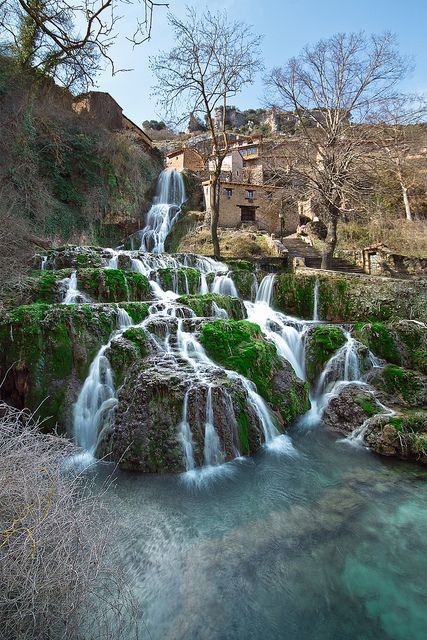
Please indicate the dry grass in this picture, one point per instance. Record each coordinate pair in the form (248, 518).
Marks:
(400, 235)
(191, 235)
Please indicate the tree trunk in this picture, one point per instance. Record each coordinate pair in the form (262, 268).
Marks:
(331, 238)
(407, 203)
(214, 214)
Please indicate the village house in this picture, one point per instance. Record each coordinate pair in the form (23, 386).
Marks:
(257, 205)
(185, 159)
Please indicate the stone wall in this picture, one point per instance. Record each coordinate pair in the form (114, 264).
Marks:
(378, 260)
(186, 159)
(101, 106)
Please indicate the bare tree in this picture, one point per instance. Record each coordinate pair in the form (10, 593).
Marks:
(67, 40)
(335, 88)
(399, 138)
(212, 60)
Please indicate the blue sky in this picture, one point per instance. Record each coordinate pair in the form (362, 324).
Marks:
(287, 25)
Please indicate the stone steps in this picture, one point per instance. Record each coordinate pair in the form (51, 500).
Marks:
(298, 248)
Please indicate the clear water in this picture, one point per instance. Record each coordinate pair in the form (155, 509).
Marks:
(326, 544)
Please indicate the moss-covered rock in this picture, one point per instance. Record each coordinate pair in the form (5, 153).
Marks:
(403, 435)
(321, 343)
(350, 408)
(202, 305)
(185, 280)
(240, 265)
(401, 342)
(77, 257)
(240, 346)
(245, 282)
(46, 351)
(294, 295)
(113, 285)
(401, 387)
(146, 435)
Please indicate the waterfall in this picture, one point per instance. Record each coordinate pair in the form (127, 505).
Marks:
(93, 410)
(265, 290)
(316, 301)
(217, 312)
(186, 436)
(224, 285)
(43, 263)
(164, 212)
(212, 449)
(71, 294)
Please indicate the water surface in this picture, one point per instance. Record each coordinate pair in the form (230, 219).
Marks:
(326, 544)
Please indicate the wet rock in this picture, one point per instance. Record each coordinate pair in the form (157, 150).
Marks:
(74, 257)
(240, 346)
(350, 408)
(403, 435)
(321, 344)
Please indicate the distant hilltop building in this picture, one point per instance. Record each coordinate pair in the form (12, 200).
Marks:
(106, 111)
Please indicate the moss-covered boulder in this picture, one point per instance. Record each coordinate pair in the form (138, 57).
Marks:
(245, 281)
(203, 305)
(350, 408)
(75, 257)
(399, 386)
(321, 343)
(113, 285)
(46, 351)
(401, 342)
(147, 434)
(240, 346)
(403, 435)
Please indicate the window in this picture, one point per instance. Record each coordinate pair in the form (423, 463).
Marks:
(228, 192)
(247, 214)
(250, 151)
(249, 194)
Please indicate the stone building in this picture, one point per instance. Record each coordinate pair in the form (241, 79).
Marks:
(254, 204)
(102, 107)
(185, 159)
(128, 125)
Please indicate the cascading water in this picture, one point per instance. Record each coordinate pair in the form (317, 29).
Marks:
(97, 398)
(71, 293)
(316, 301)
(169, 198)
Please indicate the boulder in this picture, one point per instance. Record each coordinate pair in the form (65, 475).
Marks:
(350, 408)
(400, 387)
(203, 304)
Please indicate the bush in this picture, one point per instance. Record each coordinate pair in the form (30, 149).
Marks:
(56, 571)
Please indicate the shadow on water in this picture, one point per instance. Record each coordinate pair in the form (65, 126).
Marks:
(326, 544)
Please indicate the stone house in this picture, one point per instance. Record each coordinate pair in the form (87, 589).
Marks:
(185, 159)
(254, 204)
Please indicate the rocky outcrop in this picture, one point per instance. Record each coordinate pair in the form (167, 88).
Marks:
(348, 298)
(400, 387)
(320, 345)
(74, 257)
(403, 436)
(350, 408)
(401, 342)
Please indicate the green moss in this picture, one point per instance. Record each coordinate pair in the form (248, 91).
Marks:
(244, 281)
(294, 294)
(48, 346)
(240, 265)
(239, 345)
(403, 385)
(138, 311)
(322, 342)
(202, 305)
(368, 407)
(380, 340)
(113, 285)
(183, 280)
(138, 337)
